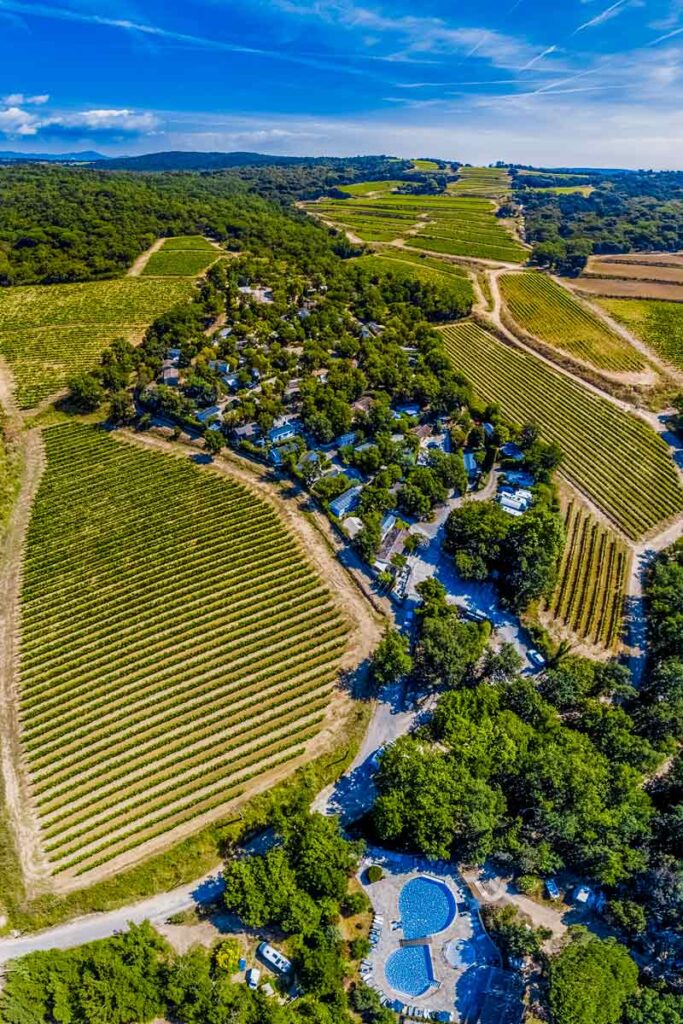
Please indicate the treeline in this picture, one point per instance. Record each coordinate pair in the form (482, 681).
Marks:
(62, 224)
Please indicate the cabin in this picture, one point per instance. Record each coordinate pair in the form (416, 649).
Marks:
(346, 502)
(284, 432)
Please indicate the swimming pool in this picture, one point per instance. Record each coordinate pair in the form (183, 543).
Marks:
(426, 906)
(409, 970)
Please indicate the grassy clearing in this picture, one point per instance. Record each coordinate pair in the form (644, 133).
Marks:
(183, 256)
(196, 242)
(548, 311)
(591, 589)
(658, 324)
(175, 646)
(425, 165)
(613, 457)
(568, 190)
(50, 332)
(365, 188)
(458, 226)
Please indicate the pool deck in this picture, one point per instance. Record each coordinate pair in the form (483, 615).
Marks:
(458, 989)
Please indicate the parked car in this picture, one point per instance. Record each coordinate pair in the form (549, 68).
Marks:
(536, 658)
(253, 977)
(552, 889)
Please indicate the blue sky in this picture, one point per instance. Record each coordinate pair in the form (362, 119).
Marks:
(582, 82)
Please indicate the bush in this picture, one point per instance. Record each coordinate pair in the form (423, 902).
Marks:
(359, 948)
(375, 873)
(354, 903)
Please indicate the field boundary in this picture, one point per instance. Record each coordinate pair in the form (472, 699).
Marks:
(18, 800)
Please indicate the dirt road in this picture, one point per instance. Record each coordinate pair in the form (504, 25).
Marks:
(142, 260)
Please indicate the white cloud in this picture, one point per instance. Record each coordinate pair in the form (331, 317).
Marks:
(18, 99)
(110, 120)
(15, 121)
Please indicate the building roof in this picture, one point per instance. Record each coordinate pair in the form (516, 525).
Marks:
(345, 502)
(247, 431)
(470, 463)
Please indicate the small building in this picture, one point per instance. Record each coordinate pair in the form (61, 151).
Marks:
(253, 977)
(247, 432)
(391, 545)
(345, 439)
(352, 526)
(219, 365)
(206, 414)
(170, 377)
(277, 455)
(321, 375)
(274, 958)
(232, 381)
(284, 431)
(584, 896)
(346, 502)
(363, 404)
(423, 431)
(260, 294)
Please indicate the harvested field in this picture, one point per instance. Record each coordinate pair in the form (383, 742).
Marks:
(176, 646)
(603, 446)
(621, 288)
(634, 271)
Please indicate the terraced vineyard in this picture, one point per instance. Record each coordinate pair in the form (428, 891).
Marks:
(50, 332)
(591, 590)
(481, 181)
(548, 311)
(658, 324)
(176, 646)
(183, 256)
(613, 457)
(446, 224)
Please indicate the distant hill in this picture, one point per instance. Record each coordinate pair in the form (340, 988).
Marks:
(190, 161)
(87, 156)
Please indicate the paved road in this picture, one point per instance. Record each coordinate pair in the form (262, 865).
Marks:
(431, 560)
(100, 926)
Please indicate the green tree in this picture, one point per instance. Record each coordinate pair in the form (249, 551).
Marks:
(591, 981)
(85, 392)
(391, 660)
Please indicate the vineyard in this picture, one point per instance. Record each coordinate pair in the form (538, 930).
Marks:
(50, 332)
(658, 324)
(591, 589)
(459, 226)
(548, 311)
(493, 182)
(183, 256)
(176, 646)
(603, 446)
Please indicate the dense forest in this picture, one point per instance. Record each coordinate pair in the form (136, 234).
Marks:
(624, 213)
(64, 224)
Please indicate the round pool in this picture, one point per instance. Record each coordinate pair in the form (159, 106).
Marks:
(409, 970)
(426, 906)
